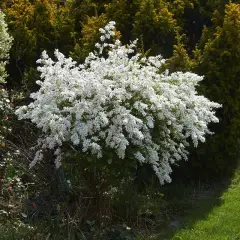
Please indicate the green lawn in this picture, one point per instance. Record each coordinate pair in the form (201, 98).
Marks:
(214, 217)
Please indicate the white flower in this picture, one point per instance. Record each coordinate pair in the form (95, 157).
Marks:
(102, 38)
(108, 36)
(140, 157)
(101, 30)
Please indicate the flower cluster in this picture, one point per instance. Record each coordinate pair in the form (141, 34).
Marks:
(5, 108)
(5, 45)
(118, 101)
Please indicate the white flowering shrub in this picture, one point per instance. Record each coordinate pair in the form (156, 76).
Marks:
(5, 45)
(5, 109)
(118, 101)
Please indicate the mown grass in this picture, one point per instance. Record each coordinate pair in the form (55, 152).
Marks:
(214, 215)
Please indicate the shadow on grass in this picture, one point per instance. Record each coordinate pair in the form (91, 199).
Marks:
(189, 203)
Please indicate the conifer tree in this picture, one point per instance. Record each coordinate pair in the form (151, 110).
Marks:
(219, 62)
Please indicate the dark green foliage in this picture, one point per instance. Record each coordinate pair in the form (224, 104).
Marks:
(36, 26)
(156, 25)
(219, 62)
(117, 233)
